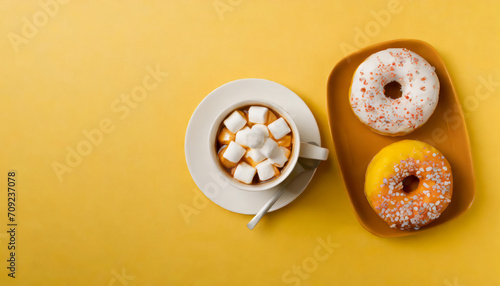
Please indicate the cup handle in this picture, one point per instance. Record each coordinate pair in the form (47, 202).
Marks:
(311, 151)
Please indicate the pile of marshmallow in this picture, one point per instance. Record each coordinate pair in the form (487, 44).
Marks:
(259, 145)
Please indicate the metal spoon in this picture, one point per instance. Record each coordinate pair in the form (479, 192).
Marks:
(303, 165)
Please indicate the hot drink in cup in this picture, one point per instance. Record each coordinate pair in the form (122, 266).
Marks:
(254, 144)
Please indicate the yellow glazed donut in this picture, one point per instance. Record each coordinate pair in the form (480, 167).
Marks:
(385, 179)
(400, 116)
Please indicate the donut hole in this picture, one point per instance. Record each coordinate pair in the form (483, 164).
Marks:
(392, 90)
(410, 184)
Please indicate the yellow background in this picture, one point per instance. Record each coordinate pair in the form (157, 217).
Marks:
(119, 211)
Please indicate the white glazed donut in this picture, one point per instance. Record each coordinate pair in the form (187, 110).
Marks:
(419, 88)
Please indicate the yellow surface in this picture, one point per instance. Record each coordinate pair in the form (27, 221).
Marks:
(114, 216)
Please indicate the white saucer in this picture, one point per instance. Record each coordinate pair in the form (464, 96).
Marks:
(200, 164)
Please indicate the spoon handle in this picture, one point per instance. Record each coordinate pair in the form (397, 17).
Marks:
(273, 200)
(266, 207)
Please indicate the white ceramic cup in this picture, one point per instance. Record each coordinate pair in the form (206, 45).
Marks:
(299, 149)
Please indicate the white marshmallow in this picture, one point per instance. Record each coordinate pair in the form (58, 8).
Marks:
(235, 122)
(255, 155)
(279, 128)
(262, 128)
(241, 136)
(278, 157)
(265, 170)
(255, 138)
(234, 152)
(244, 173)
(257, 114)
(269, 147)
